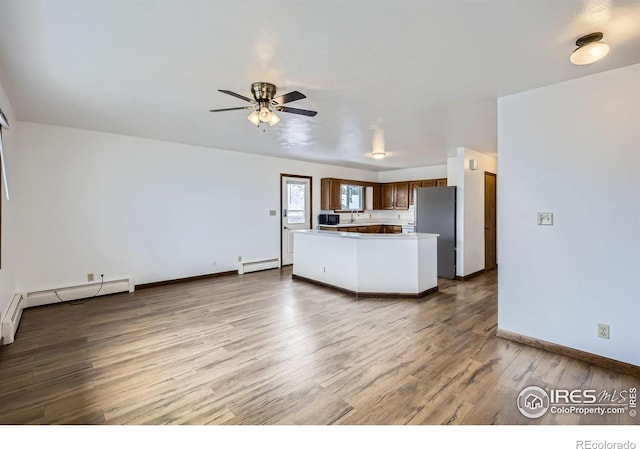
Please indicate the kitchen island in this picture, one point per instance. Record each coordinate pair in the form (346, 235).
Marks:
(363, 264)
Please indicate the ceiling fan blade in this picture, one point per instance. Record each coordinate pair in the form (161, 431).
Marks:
(230, 109)
(297, 111)
(288, 98)
(233, 94)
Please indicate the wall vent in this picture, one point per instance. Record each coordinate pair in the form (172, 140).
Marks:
(11, 320)
(250, 266)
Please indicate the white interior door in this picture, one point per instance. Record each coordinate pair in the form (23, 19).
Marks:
(296, 212)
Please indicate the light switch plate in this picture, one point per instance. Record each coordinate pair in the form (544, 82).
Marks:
(272, 213)
(545, 218)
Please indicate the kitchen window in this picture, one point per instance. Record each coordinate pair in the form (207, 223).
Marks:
(351, 197)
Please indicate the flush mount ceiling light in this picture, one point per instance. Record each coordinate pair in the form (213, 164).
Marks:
(378, 154)
(265, 104)
(589, 50)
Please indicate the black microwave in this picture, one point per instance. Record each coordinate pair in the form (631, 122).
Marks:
(328, 219)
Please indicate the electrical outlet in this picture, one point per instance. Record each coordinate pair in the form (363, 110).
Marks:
(272, 213)
(90, 277)
(239, 258)
(545, 219)
(603, 331)
(214, 263)
(398, 216)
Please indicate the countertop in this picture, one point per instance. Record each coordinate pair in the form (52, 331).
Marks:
(363, 235)
(360, 223)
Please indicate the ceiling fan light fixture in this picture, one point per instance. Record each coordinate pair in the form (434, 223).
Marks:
(274, 120)
(265, 114)
(254, 118)
(589, 50)
(378, 154)
(265, 104)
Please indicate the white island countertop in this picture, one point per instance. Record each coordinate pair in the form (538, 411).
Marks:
(401, 265)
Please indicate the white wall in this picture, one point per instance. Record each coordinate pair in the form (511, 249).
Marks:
(9, 242)
(452, 171)
(470, 208)
(473, 203)
(104, 203)
(572, 149)
(411, 174)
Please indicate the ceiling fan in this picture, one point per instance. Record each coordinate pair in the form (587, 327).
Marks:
(265, 103)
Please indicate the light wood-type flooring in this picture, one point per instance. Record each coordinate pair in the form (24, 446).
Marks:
(265, 349)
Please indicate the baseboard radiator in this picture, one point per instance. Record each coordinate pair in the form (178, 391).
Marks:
(71, 293)
(250, 266)
(11, 320)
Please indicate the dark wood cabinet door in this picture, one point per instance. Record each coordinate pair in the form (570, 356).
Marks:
(402, 195)
(429, 183)
(325, 194)
(388, 191)
(335, 195)
(413, 185)
(377, 196)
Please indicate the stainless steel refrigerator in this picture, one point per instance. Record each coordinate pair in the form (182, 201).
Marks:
(435, 213)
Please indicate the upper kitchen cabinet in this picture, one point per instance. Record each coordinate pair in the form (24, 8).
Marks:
(330, 194)
(387, 193)
(402, 195)
(413, 185)
(395, 195)
(346, 195)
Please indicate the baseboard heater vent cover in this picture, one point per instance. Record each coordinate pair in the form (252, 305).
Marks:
(71, 293)
(250, 266)
(12, 319)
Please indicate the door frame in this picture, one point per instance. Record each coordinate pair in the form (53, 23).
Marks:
(495, 243)
(288, 175)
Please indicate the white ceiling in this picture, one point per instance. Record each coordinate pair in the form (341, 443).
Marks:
(423, 74)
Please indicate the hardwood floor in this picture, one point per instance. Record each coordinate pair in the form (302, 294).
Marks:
(264, 349)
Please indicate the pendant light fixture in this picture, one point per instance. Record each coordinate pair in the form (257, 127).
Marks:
(590, 49)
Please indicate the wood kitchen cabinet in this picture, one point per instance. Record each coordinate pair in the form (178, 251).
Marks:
(386, 196)
(366, 229)
(413, 185)
(330, 194)
(395, 195)
(387, 199)
(402, 195)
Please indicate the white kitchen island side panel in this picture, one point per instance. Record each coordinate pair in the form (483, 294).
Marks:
(388, 266)
(427, 264)
(395, 264)
(331, 261)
